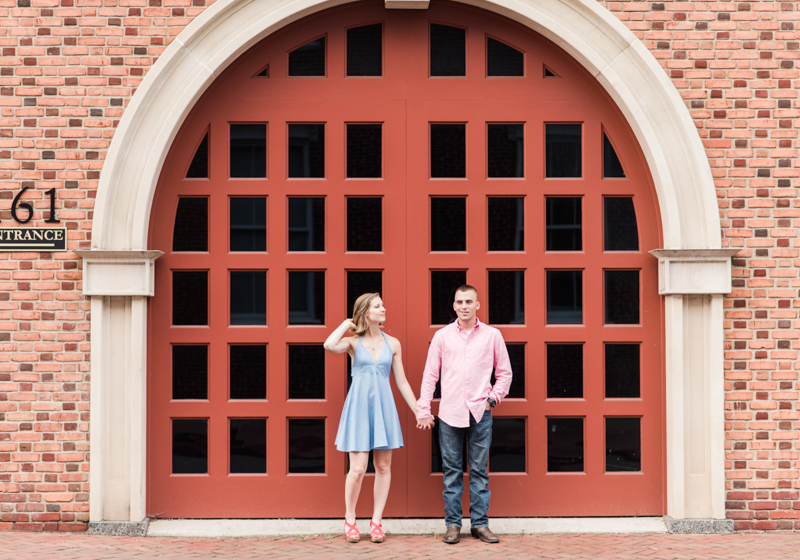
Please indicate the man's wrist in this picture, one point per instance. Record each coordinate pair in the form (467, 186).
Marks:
(492, 402)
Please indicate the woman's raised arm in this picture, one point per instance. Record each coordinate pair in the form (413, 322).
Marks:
(335, 343)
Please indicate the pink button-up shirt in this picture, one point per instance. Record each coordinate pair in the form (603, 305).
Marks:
(465, 362)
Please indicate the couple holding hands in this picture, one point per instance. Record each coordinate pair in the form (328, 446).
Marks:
(463, 354)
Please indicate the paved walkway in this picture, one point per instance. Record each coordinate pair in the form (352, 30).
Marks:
(58, 546)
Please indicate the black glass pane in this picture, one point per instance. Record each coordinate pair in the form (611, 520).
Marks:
(249, 445)
(364, 150)
(621, 232)
(564, 371)
(198, 169)
(611, 165)
(622, 297)
(306, 224)
(448, 150)
(443, 292)
(362, 282)
(448, 224)
(306, 297)
(189, 446)
(190, 372)
(506, 224)
(306, 372)
(264, 73)
(516, 355)
(564, 224)
(189, 297)
(191, 225)
(308, 60)
(364, 224)
(507, 452)
(503, 60)
(307, 150)
(623, 444)
(249, 297)
(248, 150)
(565, 444)
(248, 371)
(506, 150)
(448, 51)
(564, 297)
(365, 50)
(563, 149)
(436, 451)
(248, 224)
(622, 371)
(507, 297)
(549, 73)
(307, 445)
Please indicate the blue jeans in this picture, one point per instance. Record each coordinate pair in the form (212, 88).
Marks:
(451, 442)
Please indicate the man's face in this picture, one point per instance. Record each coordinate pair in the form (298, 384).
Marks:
(466, 305)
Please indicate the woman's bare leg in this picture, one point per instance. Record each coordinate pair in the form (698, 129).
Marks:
(352, 485)
(382, 459)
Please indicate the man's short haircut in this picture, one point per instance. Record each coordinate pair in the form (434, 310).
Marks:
(466, 288)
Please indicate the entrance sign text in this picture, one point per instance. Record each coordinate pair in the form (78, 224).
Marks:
(33, 239)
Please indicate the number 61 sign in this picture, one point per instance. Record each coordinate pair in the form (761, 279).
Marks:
(33, 238)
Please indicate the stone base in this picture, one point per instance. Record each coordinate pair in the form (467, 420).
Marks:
(699, 526)
(119, 528)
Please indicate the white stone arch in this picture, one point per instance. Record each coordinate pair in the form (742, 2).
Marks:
(694, 270)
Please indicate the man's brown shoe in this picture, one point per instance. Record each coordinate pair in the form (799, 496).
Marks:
(452, 535)
(485, 534)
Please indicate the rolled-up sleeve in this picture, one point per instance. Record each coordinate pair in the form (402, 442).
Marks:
(430, 376)
(502, 369)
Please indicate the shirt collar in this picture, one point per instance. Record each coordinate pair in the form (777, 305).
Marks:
(459, 328)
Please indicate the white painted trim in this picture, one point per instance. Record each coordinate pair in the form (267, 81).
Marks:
(694, 271)
(119, 273)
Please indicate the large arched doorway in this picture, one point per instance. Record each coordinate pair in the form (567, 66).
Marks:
(464, 117)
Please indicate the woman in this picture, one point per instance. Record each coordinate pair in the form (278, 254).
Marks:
(369, 417)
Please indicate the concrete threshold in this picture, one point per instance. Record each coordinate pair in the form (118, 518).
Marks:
(212, 528)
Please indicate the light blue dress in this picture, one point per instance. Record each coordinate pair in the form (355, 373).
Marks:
(369, 417)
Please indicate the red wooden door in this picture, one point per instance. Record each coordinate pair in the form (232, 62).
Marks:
(267, 210)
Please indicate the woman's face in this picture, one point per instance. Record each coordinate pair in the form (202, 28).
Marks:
(376, 313)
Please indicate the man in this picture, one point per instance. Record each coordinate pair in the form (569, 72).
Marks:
(465, 352)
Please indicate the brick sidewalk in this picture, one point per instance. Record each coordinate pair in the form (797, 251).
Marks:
(58, 546)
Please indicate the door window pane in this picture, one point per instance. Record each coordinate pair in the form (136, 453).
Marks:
(248, 445)
(306, 297)
(622, 297)
(448, 51)
(364, 150)
(189, 446)
(306, 150)
(248, 371)
(308, 60)
(249, 297)
(503, 60)
(448, 150)
(564, 297)
(362, 282)
(516, 355)
(436, 451)
(248, 224)
(563, 149)
(190, 372)
(306, 224)
(306, 371)
(248, 150)
(623, 445)
(448, 224)
(307, 445)
(506, 224)
(365, 50)
(622, 371)
(564, 371)
(564, 444)
(198, 169)
(364, 224)
(191, 225)
(507, 297)
(611, 165)
(506, 150)
(621, 232)
(507, 451)
(564, 224)
(443, 291)
(189, 297)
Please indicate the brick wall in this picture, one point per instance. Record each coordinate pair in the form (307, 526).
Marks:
(69, 67)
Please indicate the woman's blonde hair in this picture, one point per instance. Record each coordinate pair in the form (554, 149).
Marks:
(360, 312)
